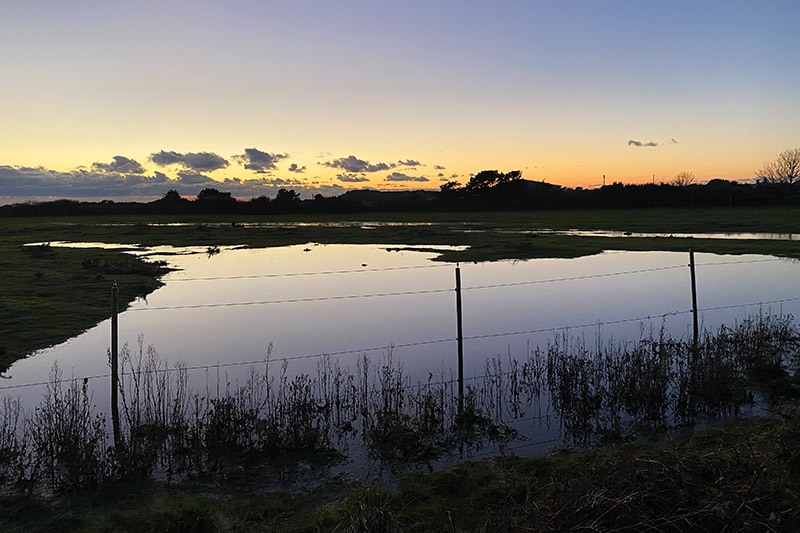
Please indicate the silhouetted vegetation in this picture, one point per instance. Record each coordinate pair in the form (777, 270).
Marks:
(784, 169)
(486, 190)
(683, 178)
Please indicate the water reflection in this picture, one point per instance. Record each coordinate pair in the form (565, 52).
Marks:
(263, 224)
(635, 234)
(476, 227)
(220, 312)
(170, 429)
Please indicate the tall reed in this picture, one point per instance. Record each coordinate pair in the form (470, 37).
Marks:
(67, 437)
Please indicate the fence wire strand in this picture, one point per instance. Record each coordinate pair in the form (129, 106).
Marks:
(405, 293)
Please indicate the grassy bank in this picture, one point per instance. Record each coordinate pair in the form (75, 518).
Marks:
(49, 294)
(740, 478)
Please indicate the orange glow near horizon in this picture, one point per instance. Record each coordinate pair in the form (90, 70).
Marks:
(334, 98)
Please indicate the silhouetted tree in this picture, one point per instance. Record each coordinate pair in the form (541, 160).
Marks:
(490, 178)
(682, 179)
(785, 168)
(260, 204)
(449, 186)
(285, 196)
(171, 196)
(286, 201)
(212, 194)
(216, 200)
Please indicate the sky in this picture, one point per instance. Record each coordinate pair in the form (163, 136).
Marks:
(119, 99)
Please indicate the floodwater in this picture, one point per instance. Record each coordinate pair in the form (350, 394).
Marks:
(221, 312)
(469, 227)
(620, 234)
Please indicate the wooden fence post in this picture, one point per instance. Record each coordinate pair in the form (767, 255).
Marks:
(695, 328)
(460, 341)
(115, 364)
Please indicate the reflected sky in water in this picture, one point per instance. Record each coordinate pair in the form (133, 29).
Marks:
(280, 297)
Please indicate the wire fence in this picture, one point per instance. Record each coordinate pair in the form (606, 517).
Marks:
(365, 350)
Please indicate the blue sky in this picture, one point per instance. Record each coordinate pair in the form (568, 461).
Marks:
(556, 89)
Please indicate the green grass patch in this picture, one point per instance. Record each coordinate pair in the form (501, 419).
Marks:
(50, 294)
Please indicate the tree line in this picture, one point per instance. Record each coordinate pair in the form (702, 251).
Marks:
(778, 183)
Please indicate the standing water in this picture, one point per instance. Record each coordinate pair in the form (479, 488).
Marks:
(224, 313)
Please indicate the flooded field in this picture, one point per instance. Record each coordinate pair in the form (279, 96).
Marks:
(379, 318)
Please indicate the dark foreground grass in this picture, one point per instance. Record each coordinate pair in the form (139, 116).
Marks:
(739, 478)
(735, 478)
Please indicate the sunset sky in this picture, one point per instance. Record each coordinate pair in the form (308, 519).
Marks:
(114, 99)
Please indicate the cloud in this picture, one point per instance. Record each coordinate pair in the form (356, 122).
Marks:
(281, 182)
(409, 163)
(353, 164)
(258, 161)
(39, 182)
(399, 176)
(294, 168)
(200, 161)
(120, 164)
(164, 158)
(641, 144)
(439, 175)
(352, 178)
(194, 178)
(439, 167)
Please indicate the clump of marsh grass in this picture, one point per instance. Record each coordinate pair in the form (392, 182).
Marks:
(67, 437)
(721, 374)
(13, 449)
(407, 424)
(268, 417)
(367, 508)
(155, 410)
(619, 389)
